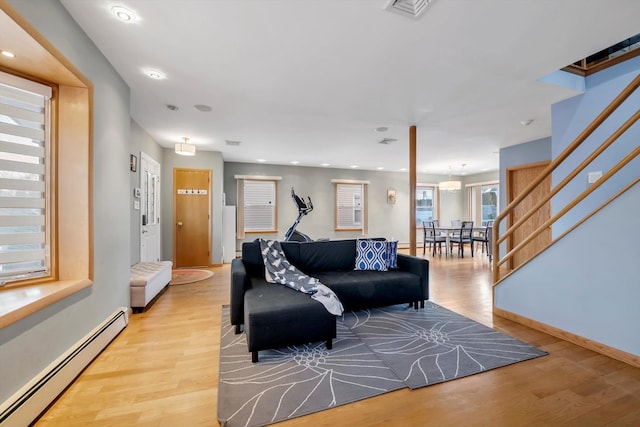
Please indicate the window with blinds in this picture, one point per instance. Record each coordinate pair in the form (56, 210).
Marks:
(23, 179)
(350, 206)
(259, 205)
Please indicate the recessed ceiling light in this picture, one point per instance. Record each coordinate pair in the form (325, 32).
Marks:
(202, 107)
(154, 74)
(123, 14)
(8, 54)
(294, 162)
(380, 168)
(172, 107)
(387, 141)
(353, 166)
(260, 160)
(526, 122)
(382, 129)
(403, 170)
(325, 164)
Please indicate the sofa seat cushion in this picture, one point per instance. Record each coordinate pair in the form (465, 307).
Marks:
(359, 289)
(276, 316)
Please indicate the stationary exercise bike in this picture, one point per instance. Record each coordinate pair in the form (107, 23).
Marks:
(293, 235)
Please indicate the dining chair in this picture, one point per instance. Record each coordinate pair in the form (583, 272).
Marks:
(464, 237)
(456, 223)
(489, 233)
(431, 237)
(482, 237)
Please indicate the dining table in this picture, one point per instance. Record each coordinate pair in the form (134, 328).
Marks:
(448, 231)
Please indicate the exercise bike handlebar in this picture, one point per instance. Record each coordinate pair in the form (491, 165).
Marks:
(303, 207)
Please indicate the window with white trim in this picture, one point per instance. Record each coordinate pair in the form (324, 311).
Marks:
(257, 204)
(483, 201)
(24, 179)
(426, 203)
(351, 206)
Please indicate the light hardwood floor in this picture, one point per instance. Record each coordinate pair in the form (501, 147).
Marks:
(162, 370)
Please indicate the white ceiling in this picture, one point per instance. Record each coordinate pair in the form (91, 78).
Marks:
(310, 80)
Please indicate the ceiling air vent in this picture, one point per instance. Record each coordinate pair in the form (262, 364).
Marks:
(411, 8)
(232, 143)
(387, 141)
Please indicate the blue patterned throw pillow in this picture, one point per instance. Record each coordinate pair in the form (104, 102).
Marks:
(392, 254)
(371, 255)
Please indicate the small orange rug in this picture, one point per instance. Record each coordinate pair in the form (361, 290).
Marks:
(189, 275)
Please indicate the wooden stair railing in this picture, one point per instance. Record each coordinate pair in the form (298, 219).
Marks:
(498, 238)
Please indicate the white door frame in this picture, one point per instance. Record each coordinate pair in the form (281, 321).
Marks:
(150, 236)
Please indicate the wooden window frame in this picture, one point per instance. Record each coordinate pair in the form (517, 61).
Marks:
(71, 183)
(365, 205)
(240, 220)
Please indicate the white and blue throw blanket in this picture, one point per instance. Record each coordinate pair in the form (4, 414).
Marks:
(279, 270)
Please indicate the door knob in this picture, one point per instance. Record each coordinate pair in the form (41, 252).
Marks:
(179, 224)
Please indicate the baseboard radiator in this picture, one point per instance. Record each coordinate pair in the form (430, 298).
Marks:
(27, 404)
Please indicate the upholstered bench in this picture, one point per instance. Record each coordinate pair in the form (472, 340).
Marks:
(148, 279)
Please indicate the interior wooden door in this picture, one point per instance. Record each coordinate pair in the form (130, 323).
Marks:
(192, 217)
(517, 180)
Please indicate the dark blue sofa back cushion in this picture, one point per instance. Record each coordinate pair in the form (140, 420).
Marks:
(335, 255)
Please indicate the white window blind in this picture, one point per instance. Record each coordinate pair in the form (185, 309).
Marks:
(350, 206)
(259, 205)
(23, 180)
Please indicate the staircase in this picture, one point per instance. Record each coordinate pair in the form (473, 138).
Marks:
(584, 286)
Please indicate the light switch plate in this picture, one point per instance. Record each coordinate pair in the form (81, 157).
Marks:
(136, 205)
(593, 177)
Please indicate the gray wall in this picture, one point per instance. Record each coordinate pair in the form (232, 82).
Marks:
(211, 160)
(141, 141)
(31, 344)
(385, 220)
(535, 151)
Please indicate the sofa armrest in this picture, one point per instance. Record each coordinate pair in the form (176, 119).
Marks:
(417, 266)
(240, 282)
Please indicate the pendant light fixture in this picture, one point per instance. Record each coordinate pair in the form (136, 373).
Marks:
(450, 185)
(185, 148)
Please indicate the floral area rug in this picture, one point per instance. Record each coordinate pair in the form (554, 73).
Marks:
(376, 351)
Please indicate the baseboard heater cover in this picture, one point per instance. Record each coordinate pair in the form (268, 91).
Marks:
(27, 404)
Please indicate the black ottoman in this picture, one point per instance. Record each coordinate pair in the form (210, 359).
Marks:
(282, 317)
